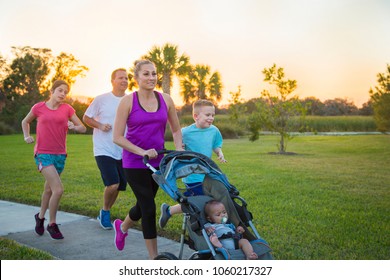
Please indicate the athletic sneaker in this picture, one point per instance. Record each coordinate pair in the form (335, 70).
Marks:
(104, 219)
(164, 215)
(119, 235)
(54, 231)
(39, 227)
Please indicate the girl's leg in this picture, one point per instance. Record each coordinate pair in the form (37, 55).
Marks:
(53, 182)
(46, 195)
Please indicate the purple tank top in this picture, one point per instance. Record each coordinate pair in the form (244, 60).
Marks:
(145, 130)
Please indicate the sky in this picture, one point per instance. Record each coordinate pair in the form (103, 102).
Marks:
(332, 48)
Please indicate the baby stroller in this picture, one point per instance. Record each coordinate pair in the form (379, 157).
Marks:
(179, 164)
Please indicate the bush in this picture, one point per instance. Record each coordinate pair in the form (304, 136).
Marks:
(341, 123)
(5, 129)
(230, 131)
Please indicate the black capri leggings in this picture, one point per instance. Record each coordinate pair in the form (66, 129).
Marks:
(145, 190)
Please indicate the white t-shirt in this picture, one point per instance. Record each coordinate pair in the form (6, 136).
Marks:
(103, 109)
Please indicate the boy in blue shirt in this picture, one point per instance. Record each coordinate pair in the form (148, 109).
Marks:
(201, 137)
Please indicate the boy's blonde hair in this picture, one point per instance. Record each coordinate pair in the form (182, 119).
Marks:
(199, 104)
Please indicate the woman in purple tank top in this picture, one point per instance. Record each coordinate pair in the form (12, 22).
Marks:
(145, 114)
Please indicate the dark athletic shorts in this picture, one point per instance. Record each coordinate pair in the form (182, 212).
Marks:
(111, 171)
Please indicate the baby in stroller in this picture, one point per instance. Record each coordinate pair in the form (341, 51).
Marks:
(179, 164)
(223, 234)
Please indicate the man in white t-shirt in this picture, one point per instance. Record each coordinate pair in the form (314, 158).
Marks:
(100, 115)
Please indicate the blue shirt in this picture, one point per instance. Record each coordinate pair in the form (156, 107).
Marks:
(201, 140)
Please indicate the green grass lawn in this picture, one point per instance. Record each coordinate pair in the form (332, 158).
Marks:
(331, 201)
(11, 250)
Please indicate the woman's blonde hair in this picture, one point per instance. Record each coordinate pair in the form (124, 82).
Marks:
(139, 63)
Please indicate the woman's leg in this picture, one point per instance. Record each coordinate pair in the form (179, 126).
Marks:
(145, 190)
(151, 246)
(126, 224)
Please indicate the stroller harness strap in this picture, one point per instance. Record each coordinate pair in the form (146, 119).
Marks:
(235, 236)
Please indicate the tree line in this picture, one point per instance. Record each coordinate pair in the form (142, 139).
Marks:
(25, 80)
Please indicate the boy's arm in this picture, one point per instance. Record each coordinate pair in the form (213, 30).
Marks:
(218, 152)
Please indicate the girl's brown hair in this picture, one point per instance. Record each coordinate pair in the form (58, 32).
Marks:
(58, 83)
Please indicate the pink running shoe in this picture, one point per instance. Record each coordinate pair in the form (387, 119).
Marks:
(119, 235)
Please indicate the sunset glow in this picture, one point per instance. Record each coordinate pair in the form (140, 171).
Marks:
(333, 48)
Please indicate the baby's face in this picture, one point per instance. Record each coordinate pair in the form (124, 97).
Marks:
(218, 214)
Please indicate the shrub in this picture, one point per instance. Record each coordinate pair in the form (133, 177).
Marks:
(230, 131)
(5, 129)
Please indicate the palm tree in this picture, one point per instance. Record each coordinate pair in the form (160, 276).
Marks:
(168, 64)
(201, 84)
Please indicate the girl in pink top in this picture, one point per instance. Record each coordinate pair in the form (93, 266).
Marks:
(50, 150)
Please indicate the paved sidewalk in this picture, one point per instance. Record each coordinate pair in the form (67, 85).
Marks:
(84, 238)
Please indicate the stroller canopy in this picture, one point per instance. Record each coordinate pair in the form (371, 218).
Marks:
(180, 164)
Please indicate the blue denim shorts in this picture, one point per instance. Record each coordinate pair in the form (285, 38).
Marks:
(44, 160)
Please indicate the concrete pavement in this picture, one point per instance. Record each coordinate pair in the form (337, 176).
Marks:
(84, 238)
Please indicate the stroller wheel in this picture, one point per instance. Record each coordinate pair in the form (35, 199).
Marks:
(166, 256)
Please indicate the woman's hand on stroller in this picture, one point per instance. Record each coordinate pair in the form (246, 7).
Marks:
(150, 154)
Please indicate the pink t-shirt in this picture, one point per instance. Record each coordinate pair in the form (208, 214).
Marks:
(52, 127)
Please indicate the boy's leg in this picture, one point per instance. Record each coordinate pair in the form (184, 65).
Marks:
(167, 212)
(175, 209)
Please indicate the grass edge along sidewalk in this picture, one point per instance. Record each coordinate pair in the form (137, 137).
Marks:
(330, 201)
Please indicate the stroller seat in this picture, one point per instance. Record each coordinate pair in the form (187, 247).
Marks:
(194, 208)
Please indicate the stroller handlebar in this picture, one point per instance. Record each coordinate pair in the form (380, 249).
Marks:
(145, 159)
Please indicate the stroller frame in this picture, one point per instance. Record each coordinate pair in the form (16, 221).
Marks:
(179, 164)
